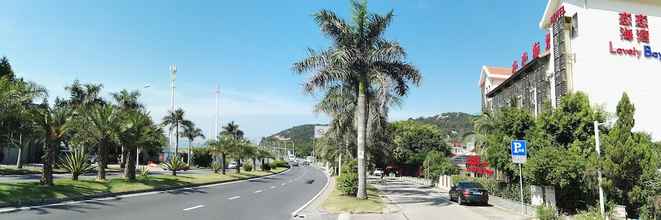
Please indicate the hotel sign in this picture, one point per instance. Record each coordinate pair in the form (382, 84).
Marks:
(634, 27)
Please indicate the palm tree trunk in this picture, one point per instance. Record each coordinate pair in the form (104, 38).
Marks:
(190, 153)
(129, 170)
(101, 160)
(176, 146)
(238, 165)
(122, 159)
(362, 137)
(223, 163)
(47, 169)
(254, 163)
(19, 161)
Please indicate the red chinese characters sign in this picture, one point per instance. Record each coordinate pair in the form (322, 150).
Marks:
(475, 165)
(627, 27)
(558, 14)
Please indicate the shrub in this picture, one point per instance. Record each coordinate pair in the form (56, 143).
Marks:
(76, 163)
(279, 163)
(144, 171)
(216, 166)
(591, 214)
(175, 164)
(266, 166)
(347, 183)
(202, 157)
(545, 212)
(350, 166)
(247, 167)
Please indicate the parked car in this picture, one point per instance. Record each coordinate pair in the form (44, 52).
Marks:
(293, 163)
(377, 172)
(232, 165)
(466, 192)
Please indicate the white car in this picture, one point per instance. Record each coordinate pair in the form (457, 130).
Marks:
(232, 165)
(377, 172)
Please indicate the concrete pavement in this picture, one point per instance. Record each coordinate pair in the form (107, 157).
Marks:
(417, 202)
(273, 197)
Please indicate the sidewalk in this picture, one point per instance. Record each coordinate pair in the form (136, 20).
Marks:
(418, 202)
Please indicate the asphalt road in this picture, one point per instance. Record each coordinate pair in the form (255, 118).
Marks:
(269, 198)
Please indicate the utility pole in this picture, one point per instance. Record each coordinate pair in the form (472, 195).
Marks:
(597, 142)
(173, 75)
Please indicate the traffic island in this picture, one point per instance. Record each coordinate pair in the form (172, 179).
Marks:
(31, 193)
(337, 203)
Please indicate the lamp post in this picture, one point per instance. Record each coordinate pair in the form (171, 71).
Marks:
(597, 142)
(137, 149)
(173, 77)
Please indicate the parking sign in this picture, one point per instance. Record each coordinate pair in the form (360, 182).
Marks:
(519, 151)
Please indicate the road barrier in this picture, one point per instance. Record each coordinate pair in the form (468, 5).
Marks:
(416, 180)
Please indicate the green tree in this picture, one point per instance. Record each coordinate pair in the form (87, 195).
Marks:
(191, 132)
(126, 101)
(6, 71)
(630, 162)
(358, 55)
(176, 120)
(412, 141)
(103, 124)
(221, 146)
(53, 124)
(436, 164)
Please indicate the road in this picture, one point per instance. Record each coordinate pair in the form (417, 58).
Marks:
(268, 198)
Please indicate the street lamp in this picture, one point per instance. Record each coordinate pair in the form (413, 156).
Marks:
(173, 77)
(137, 149)
(597, 142)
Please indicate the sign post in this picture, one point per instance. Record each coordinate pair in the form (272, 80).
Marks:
(519, 156)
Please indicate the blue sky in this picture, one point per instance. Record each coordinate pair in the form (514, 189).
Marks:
(247, 47)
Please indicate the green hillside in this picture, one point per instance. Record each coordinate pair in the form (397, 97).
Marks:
(452, 123)
(301, 135)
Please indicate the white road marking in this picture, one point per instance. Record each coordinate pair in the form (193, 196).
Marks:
(194, 207)
(258, 191)
(283, 184)
(234, 197)
(272, 187)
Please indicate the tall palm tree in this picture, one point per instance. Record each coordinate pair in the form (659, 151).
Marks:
(175, 120)
(136, 130)
(126, 101)
(232, 129)
(359, 54)
(103, 124)
(53, 123)
(191, 132)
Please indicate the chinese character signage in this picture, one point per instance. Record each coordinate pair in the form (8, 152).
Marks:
(634, 28)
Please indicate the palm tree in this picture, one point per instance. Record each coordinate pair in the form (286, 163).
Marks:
(53, 124)
(175, 120)
(103, 124)
(137, 130)
(191, 132)
(126, 101)
(232, 129)
(221, 146)
(358, 56)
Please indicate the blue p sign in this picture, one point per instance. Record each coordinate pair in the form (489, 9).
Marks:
(519, 151)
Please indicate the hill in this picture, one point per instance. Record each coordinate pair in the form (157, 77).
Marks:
(453, 123)
(301, 135)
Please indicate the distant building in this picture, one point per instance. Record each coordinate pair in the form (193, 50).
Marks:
(600, 47)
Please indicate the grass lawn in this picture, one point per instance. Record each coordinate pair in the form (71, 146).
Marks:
(339, 203)
(32, 169)
(32, 193)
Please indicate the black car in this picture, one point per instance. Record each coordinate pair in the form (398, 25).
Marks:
(469, 192)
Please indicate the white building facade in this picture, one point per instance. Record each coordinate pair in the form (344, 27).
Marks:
(605, 48)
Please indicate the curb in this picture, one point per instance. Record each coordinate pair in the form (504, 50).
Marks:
(295, 213)
(116, 196)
